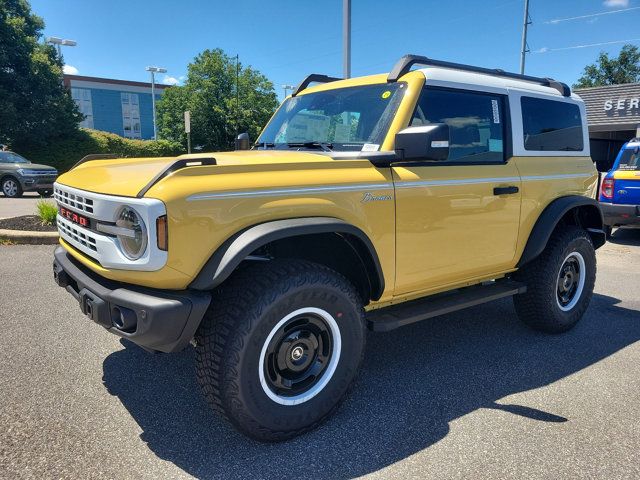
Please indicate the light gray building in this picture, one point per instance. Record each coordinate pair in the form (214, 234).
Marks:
(613, 114)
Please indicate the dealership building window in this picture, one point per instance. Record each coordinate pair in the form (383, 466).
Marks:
(613, 115)
(130, 114)
(82, 97)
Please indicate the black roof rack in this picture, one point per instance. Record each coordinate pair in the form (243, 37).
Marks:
(405, 63)
(314, 77)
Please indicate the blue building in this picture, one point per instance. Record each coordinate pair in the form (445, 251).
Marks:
(117, 106)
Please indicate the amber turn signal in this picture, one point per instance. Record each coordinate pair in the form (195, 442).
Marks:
(162, 232)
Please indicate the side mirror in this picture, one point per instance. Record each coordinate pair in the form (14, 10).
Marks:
(242, 142)
(424, 143)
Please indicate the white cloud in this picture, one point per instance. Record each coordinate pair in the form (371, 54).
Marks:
(542, 50)
(169, 80)
(616, 3)
(70, 70)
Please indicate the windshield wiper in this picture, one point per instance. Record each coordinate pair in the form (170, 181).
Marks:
(265, 145)
(324, 146)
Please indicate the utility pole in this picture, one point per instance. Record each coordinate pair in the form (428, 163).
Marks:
(525, 47)
(153, 71)
(346, 38)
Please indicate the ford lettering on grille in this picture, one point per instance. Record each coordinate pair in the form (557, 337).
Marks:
(74, 217)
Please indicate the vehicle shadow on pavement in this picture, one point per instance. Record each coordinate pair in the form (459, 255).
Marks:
(625, 236)
(414, 382)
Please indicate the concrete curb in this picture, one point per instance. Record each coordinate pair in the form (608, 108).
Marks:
(29, 237)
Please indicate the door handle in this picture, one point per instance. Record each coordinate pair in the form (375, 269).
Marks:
(506, 190)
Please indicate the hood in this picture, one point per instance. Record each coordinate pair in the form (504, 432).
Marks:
(36, 166)
(31, 166)
(128, 176)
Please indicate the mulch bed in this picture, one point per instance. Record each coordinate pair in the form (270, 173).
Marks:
(30, 223)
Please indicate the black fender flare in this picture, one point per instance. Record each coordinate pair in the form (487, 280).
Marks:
(548, 220)
(235, 249)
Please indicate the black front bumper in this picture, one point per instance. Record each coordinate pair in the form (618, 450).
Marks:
(162, 320)
(616, 215)
(30, 184)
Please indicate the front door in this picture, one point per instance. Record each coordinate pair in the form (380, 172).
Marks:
(457, 220)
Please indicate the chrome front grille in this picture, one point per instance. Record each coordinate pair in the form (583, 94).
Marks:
(73, 200)
(73, 234)
(40, 173)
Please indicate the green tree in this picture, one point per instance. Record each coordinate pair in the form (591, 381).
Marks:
(209, 92)
(612, 71)
(35, 107)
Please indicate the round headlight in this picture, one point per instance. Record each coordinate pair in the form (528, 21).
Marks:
(134, 242)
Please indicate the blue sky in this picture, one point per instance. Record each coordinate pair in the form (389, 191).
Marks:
(287, 39)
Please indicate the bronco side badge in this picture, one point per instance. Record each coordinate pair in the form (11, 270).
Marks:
(371, 197)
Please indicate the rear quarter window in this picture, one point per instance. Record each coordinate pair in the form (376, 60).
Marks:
(630, 160)
(549, 125)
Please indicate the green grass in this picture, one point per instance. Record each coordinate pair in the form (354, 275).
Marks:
(47, 212)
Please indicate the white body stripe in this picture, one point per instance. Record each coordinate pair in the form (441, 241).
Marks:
(377, 186)
(289, 191)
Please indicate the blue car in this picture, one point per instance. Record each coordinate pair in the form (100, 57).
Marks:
(620, 190)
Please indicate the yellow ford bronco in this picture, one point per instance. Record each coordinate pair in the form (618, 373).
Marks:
(365, 203)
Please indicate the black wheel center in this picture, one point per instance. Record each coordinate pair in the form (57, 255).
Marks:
(568, 281)
(298, 355)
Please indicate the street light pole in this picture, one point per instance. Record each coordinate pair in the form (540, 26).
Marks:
(153, 71)
(346, 38)
(59, 41)
(525, 49)
(237, 94)
(286, 88)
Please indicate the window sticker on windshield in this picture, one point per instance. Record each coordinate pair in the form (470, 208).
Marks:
(496, 111)
(307, 127)
(370, 147)
(386, 94)
(343, 133)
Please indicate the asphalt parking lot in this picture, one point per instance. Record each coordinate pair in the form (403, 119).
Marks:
(470, 395)
(15, 207)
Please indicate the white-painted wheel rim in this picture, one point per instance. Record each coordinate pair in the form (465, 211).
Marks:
(576, 258)
(327, 374)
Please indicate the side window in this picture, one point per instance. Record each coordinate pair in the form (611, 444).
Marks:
(475, 122)
(549, 125)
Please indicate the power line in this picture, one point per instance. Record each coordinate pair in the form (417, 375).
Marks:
(587, 45)
(591, 15)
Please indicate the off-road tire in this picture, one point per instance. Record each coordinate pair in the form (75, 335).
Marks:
(539, 307)
(234, 332)
(16, 183)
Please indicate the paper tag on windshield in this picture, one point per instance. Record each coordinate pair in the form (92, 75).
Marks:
(370, 147)
(496, 111)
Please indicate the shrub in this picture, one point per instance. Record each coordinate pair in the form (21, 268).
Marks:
(47, 212)
(64, 152)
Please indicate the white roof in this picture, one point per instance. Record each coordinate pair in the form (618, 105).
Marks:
(442, 76)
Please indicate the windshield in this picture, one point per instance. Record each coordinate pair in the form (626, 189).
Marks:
(353, 118)
(630, 159)
(10, 157)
